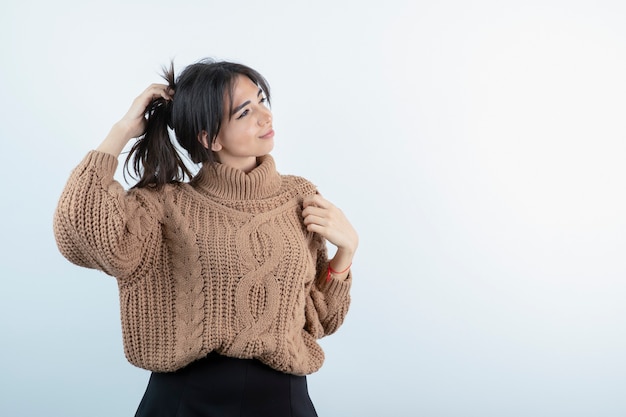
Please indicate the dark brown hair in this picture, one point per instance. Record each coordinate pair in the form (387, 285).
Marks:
(200, 93)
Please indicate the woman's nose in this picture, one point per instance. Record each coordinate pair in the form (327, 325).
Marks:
(265, 117)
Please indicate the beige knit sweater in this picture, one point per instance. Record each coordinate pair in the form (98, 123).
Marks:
(222, 264)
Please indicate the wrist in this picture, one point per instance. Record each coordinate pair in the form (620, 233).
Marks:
(344, 253)
(340, 264)
(116, 140)
(122, 131)
(331, 272)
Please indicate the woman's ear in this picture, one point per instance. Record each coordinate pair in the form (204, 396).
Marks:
(216, 145)
(203, 138)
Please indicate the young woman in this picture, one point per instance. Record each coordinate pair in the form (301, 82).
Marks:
(224, 279)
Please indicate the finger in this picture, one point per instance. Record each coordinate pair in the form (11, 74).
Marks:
(313, 210)
(307, 201)
(315, 220)
(316, 228)
(316, 200)
(155, 91)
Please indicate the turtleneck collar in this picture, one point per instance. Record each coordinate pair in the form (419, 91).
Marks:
(230, 183)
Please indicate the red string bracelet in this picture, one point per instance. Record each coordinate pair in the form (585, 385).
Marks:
(332, 271)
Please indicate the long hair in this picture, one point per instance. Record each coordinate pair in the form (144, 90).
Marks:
(201, 92)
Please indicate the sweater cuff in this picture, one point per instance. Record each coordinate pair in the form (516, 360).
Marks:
(101, 161)
(336, 288)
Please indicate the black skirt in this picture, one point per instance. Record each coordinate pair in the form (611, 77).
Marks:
(219, 386)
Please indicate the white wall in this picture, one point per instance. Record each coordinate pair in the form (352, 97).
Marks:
(478, 147)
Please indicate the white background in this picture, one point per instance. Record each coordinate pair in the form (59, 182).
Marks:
(478, 148)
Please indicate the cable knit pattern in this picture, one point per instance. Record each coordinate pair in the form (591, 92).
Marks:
(222, 263)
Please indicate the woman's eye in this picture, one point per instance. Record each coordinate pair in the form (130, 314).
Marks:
(244, 113)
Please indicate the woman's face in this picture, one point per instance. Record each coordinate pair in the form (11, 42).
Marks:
(247, 132)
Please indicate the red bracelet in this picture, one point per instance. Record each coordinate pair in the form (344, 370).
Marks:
(331, 270)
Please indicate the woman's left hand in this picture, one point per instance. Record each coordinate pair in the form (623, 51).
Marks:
(321, 216)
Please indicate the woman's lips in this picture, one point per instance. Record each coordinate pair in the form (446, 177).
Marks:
(268, 135)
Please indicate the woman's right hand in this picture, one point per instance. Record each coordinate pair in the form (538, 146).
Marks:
(133, 124)
(134, 121)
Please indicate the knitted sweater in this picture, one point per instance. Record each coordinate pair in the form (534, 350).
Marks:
(222, 263)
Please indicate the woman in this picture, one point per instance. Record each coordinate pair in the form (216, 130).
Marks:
(224, 280)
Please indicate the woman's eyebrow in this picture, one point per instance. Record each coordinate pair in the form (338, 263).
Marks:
(244, 104)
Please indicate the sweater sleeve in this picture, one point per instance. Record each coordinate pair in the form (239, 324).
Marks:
(327, 301)
(97, 224)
